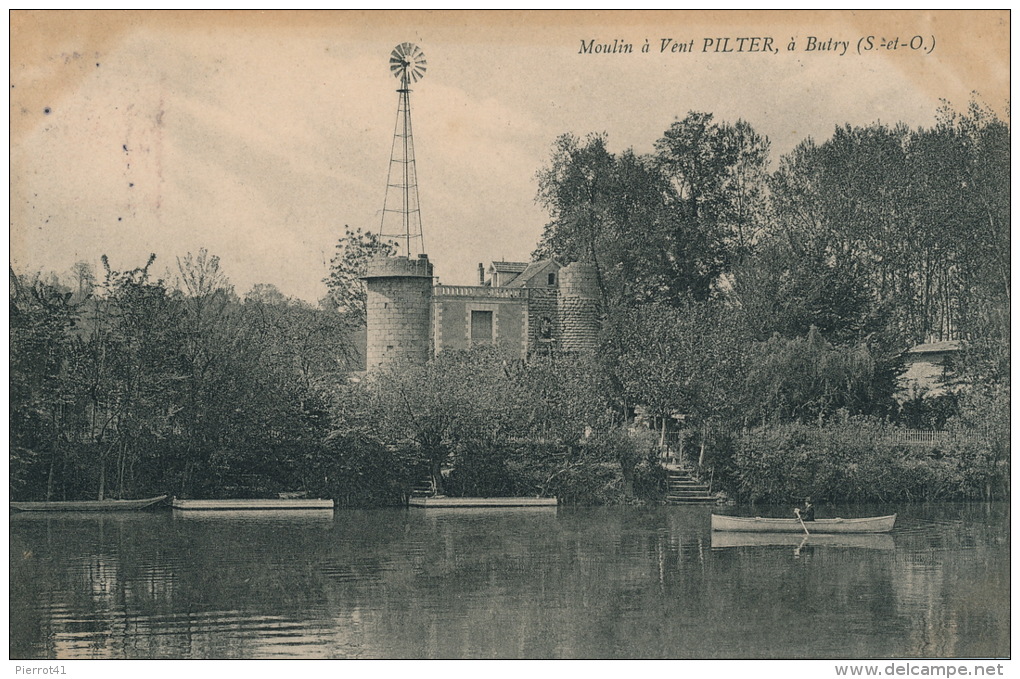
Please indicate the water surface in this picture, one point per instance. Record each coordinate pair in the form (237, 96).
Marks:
(644, 582)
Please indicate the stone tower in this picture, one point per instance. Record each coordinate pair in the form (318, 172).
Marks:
(578, 308)
(398, 310)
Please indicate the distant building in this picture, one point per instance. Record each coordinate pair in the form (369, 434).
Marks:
(527, 308)
(930, 369)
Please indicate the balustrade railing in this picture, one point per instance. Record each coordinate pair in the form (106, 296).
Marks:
(478, 291)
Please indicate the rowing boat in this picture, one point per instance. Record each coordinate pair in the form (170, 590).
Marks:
(87, 505)
(874, 524)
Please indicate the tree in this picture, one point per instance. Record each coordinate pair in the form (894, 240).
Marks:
(42, 325)
(807, 379)
(421, 409)
(914, 222)
(577, 188)
(656, 228)
(718, 173)
(124, 376)
(128, 387)
(685, 361)
(353, 252)
(786, 289)
(201, 274)
(982, 217)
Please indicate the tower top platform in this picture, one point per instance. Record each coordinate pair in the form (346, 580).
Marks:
(398, 267)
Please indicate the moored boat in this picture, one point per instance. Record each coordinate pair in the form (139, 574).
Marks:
(873, 524)
(475, 502)
(304, 516)
(251, 504)
(87, 505)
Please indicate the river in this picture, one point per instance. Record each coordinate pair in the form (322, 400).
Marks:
(618, 582)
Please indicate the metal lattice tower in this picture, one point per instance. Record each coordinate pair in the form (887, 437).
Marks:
(403, 222)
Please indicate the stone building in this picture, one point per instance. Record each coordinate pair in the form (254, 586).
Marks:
(930, 371)
(526, 308)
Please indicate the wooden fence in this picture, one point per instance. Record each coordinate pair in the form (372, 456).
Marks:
(920, 436)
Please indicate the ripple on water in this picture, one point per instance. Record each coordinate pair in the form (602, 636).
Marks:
(622, 582)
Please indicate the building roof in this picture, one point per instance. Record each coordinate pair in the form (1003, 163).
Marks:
(936, 347)
(508, 267)
(534, 269)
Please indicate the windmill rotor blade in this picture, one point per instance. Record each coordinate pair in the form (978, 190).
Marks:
(407, 61)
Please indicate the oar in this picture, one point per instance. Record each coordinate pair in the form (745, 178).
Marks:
(806, 531)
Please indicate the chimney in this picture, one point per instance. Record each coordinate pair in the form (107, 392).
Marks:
(481, 274)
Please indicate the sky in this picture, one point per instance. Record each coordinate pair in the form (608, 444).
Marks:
(260, 135)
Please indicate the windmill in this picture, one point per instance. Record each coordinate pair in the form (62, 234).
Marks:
(403, 222)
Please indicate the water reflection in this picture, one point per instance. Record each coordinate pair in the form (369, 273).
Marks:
(723, 540)
(536, 583)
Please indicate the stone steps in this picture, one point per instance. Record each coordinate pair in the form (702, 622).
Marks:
(424, 488)
(682, 489)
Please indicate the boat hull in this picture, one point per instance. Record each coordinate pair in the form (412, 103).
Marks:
(88, 505)
(481, 502)
(237, 505)
(304, 516)
(758, 524)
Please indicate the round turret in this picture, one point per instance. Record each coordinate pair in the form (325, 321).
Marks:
(578, 302)
(398, 311)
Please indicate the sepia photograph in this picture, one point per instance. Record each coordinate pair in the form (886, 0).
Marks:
(543, 335)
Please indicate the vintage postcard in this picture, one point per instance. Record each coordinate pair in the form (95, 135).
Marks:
(511, 335)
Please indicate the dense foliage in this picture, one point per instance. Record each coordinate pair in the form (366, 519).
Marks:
(739, 298)
(128, 387)
(480, 423)
(762, 310)
(863, 460)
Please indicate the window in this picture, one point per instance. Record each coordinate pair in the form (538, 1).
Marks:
(552, 279)
(545, 328)
(481, 327)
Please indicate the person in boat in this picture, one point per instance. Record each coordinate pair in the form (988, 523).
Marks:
(806, 512)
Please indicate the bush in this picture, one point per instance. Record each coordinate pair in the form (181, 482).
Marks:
(363, 473)
(480, 471)
(589, 484)
(861, 461)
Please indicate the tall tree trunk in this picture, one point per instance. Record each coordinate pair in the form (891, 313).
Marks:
(49, 477)
(102, 475)
(628, 479)
(120, 471)
(704, 435)
(53, 461)
(436, 472)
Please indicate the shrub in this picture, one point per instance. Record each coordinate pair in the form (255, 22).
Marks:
(860, 460)
(363, 473)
